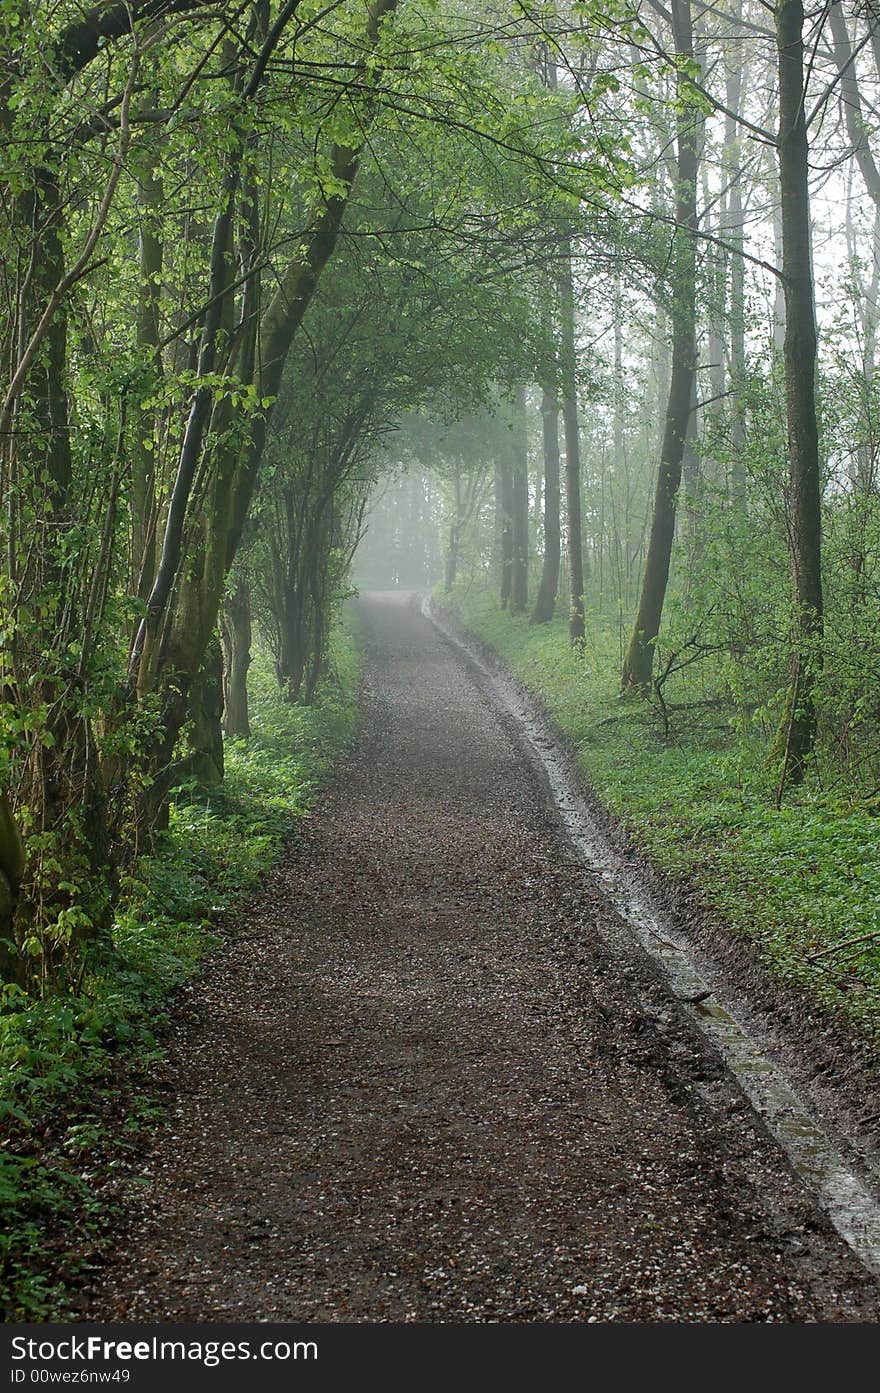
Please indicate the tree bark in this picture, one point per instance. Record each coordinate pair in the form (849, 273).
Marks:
(851, 100)
(12, 868)
(519, 581)
(504, 526)
(545, 602)
(799, 356)
(143, 461)
(734, 232)
(166, 655)
(62, 785)
(237, 638)
(450, 569)
(571, 430)
(639, 661)
(204, 760)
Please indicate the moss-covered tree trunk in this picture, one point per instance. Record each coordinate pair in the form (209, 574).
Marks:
(204, 759)
(172, 642)
(61, 784)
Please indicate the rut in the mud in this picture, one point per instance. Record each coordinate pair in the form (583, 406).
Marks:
(414, 1086)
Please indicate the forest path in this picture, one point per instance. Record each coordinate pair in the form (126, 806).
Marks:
(414, 1086)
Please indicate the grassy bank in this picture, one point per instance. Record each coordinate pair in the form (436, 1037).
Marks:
(699, 802)
(69, 1115)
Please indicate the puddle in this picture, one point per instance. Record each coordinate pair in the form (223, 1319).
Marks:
(852, 1209)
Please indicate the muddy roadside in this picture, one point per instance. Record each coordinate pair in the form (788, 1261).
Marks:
(832, 1066)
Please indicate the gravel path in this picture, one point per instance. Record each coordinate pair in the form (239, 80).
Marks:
(414, 1086)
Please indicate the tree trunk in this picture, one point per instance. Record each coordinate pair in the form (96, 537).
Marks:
(519, 581)
(734, 232)
(851, 99)
(799, 356)
(237, 639)
(545, 604)
(292, 657)
(62, 784)
(571, 430)
(204, 760)
(692, 473)
(639, 661)
(12, 867)
(170, 646)
(450, 570)
(504, 526)
(778, 324)
(143, 458)
(865, 462)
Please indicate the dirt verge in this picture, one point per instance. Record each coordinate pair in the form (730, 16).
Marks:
(830, 1064)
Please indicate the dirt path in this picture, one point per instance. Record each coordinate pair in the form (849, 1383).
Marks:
(414, 1086)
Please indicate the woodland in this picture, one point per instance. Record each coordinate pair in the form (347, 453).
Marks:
(571, 307)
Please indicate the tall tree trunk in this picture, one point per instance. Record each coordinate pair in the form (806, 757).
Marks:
(639, 661)
(571, 430)
(778, 325)
(63, 787)
(293, 651)
(851, 99)
(504, 526)
(799, 355)
(716, 276)
(691, 472)
(866, 468)
(146, 652)
(519, 586)
(450, 570)
(545, 603)
(170, 646)
(12, 869)
(734, 231)
(143, 457)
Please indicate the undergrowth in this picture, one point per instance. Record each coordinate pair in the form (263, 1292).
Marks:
(699, 800)
(69, 1115)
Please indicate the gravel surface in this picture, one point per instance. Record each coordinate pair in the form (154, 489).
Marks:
(414, 1086)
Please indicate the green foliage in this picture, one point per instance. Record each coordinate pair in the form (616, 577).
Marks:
(69, 1113)
(466, 164)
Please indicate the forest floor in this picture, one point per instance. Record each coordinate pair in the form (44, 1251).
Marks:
(414, 1083)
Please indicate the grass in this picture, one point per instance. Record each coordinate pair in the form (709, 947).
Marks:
(700, 805)
(70, 1116)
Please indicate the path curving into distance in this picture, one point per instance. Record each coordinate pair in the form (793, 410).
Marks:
(418, 1083)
